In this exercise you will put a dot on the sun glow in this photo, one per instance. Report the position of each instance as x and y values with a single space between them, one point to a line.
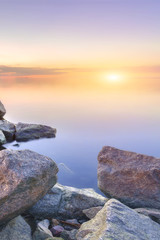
114 78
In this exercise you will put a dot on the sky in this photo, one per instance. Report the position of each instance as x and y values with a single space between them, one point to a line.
80 42
83 66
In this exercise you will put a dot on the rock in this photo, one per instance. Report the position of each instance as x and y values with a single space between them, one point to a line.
31 222
8 129
116 221
70 224
69 235
66 202
132 178
2 138
82 220
25 177
154 214
16 229
44 226
42 232
26 132
57 230
41 235
91 212
55 238
55 222
2 148
2 110
72 221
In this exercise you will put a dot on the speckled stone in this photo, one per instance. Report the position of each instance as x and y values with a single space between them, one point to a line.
25 177
132 178
116 221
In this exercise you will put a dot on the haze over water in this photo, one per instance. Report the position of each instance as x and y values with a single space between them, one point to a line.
91 70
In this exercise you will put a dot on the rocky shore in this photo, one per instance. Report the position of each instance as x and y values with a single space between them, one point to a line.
34 206
22 132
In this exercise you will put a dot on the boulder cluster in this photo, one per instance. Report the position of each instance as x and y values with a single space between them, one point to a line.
22 132
34 206
131 182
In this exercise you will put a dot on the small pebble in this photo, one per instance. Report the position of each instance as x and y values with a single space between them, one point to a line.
55 222
57 230
74 221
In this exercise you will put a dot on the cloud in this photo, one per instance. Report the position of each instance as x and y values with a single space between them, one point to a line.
33 71
28 71
11 75
139 77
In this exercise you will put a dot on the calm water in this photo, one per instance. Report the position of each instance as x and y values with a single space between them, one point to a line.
86 120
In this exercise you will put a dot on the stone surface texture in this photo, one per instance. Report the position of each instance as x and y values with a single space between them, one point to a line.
8 129
154 214
66 202
26 132
132 178
2 110
2 138
118 222
69 235
42 232
25 177
91 212
16 229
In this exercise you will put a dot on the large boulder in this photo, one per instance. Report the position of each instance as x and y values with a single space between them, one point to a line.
2 110
8 130
26 132
2 138
116 221
66 202
25 177
16 229
132 178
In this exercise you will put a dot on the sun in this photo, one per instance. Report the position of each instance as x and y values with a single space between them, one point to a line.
114 78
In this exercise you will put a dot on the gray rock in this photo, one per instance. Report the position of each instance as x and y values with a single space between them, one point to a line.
57 230
69 235
41 235
8 129
2 110
66 202
91 212
2 138
16 229
70 224
26 132
2 147
55 238
25 177
154 214
44 226
116 221
42 232
132 178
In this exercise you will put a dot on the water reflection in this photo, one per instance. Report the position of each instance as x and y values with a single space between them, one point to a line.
87 115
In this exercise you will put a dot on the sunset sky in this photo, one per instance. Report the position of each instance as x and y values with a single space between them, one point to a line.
73 39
